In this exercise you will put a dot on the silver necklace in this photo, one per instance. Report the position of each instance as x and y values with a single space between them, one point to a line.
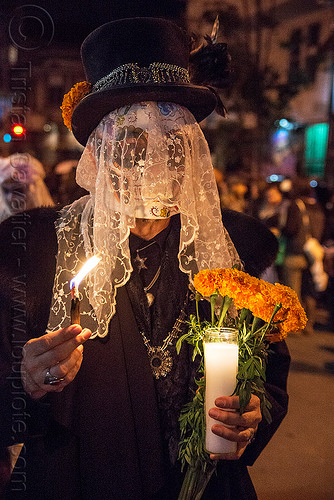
140 261
141 265
150 297
161 361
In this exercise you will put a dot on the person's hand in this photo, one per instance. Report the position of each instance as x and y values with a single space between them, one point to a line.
244 426
54 355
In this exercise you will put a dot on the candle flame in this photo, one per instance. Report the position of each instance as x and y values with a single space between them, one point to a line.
88 266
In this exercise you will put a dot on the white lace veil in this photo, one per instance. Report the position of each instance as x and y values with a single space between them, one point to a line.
148 160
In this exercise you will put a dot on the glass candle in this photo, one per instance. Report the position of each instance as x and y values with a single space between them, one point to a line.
221 368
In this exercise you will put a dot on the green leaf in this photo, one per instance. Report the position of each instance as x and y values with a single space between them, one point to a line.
253 352
245 395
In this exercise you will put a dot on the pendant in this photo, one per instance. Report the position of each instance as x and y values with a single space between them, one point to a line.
161 361
140 261
150 298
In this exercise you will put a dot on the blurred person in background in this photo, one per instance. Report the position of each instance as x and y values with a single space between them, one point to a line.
327 324
234 198
328 243
256 188
61 181
273 213
273 209
21 185
67 188
297 267
21 188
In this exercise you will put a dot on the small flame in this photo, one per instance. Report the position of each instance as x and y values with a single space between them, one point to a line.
88 266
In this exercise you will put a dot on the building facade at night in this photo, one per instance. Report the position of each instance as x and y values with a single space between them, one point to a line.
286 53
279 104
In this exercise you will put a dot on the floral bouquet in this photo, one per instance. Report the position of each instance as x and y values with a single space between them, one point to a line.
262 313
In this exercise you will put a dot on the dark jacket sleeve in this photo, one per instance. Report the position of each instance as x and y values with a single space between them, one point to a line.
293 221
276 387
28 247
255 243
257 248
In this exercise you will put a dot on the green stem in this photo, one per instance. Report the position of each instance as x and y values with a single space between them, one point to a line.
187 485
245 314
197 309
195 482
277 308
213 298
224 309
202 483
255 322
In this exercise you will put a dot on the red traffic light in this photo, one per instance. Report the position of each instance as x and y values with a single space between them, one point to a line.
18 130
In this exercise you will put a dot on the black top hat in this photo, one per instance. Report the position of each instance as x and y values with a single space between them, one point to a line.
135 60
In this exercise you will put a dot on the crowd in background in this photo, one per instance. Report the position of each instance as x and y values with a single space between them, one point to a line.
302 218
22 185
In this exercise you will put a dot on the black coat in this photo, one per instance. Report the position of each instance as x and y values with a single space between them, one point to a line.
100 438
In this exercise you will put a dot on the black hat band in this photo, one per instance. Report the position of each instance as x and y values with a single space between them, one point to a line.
132 73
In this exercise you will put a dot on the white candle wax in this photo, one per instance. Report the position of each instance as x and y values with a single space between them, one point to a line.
221 368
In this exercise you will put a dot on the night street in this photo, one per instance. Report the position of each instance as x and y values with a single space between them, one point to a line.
156 160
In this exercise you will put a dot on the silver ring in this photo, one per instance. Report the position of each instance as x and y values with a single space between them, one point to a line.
252 436
52 379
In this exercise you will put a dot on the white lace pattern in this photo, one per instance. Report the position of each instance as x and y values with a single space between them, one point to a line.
148 158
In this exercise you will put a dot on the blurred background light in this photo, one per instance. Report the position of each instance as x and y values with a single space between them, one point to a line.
284 123
7 138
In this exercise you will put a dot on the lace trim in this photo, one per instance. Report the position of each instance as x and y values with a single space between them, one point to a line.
132 73
137 154
73 229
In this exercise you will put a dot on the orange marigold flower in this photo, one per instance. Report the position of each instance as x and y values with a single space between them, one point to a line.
257 295
292 312
71 99
204 282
